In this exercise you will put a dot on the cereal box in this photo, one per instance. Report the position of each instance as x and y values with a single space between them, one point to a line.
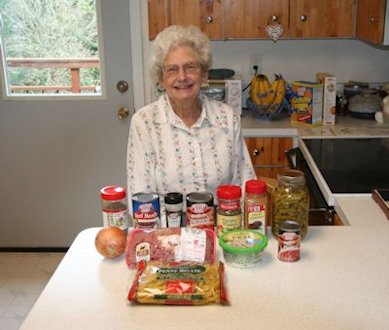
306 103
329 97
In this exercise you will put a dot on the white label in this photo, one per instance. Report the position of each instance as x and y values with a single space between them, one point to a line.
143 252
116 219
193 243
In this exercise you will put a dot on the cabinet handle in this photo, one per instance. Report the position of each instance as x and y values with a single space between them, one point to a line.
373 19
303 18
209 19
256 152
274 18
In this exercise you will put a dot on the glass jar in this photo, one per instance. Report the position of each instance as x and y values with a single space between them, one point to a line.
255 205
229 212
114 207
290 201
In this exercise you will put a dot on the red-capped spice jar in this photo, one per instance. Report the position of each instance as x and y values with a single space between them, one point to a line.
229 212
114 207
255 205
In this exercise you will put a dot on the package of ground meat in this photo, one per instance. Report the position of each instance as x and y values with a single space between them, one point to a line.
178 283
170 244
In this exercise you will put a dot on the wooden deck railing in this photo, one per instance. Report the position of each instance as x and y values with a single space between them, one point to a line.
73 64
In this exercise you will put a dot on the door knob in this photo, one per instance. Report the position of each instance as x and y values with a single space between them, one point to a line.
122 86
123 113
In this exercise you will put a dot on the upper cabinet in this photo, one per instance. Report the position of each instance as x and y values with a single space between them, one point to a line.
322 18
249 18
206 14
371 20
253 19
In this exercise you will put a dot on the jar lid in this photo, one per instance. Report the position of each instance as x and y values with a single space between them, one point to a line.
113 192
256 186
229 191
173 198
291 176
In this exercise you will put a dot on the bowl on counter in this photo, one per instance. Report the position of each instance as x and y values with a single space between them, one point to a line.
243 248
365 105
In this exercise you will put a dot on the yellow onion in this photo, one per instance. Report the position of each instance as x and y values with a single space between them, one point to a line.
111 242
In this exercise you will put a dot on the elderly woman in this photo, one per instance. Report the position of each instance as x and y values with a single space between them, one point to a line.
184 141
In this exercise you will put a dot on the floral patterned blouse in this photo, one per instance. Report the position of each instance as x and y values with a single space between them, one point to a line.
164 155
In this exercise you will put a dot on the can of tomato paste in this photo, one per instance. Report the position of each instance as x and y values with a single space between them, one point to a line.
146 210
289 238
200 212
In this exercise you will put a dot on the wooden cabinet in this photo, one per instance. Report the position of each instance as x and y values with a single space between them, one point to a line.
268 155
322 18
206 14
371 20
249 18
245 19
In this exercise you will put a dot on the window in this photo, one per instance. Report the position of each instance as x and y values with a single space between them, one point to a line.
50 48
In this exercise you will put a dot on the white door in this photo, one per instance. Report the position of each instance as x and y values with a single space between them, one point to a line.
56 155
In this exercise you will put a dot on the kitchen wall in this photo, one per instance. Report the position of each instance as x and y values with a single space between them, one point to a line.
348 59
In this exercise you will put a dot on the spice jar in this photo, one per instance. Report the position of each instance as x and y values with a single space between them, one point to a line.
290 201
173 209
229 212
114 207
255 205
200 210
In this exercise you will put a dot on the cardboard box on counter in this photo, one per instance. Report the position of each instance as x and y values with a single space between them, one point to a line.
307 103
329 97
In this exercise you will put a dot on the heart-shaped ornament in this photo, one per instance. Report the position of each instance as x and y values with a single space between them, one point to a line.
274 31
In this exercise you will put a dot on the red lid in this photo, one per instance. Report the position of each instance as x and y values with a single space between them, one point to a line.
113 192
228 191
255 187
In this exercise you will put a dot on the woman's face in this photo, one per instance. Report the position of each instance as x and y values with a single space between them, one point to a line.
182 74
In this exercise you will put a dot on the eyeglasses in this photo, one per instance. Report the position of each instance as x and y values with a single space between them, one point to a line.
174 69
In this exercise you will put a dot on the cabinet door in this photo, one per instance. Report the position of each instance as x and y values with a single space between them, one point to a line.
268 155
206 14
248 18
370 20
322 18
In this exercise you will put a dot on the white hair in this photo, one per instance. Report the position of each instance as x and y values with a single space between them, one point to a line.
173 36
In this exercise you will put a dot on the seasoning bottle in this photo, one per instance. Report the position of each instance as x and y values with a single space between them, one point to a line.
114 207
229 212
290 201
200 212
173 209
255 205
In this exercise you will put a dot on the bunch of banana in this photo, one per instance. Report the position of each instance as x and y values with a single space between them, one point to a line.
268 96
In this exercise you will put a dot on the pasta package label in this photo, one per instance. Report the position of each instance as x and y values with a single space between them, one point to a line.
182 283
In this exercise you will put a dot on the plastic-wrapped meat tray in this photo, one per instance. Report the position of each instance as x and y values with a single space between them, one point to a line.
170 244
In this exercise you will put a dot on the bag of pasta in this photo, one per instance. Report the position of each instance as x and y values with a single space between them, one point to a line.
178 283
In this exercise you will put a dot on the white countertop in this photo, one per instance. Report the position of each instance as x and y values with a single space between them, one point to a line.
341 282
345 126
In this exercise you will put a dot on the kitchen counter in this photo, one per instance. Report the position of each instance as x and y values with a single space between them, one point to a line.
341 282
345 126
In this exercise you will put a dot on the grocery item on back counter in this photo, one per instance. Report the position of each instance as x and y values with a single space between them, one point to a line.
146 210
170 244
229 211
255 205
114 207
290 201
306 102
329 97
243 248
184 283
173 209
200 211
